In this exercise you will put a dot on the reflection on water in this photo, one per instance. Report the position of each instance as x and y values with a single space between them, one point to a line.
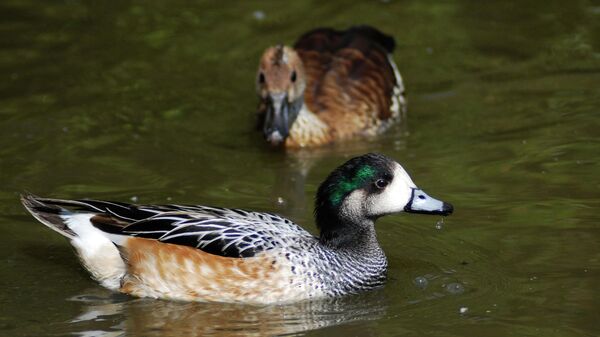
147 317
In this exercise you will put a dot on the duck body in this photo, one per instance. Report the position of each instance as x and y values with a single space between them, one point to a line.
332 85
211 254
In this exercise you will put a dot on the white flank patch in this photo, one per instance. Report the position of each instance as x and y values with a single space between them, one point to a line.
399 83
97 252
398 107
88 236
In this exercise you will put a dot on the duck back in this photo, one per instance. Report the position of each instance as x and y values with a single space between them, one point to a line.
351 79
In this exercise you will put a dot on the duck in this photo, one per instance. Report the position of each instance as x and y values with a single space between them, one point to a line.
332 85
214 254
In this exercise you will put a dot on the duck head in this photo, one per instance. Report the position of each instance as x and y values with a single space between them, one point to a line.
280 83
363 189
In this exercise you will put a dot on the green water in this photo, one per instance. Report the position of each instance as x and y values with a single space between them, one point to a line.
154 102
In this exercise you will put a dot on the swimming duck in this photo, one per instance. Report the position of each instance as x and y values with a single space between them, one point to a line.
202 253
332 85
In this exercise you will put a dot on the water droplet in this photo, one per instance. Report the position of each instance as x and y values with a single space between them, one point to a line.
439 224
259 15
134 198
455 288
281 201
463 310
421 282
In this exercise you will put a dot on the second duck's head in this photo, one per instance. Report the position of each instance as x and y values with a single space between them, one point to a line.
280 83
363 189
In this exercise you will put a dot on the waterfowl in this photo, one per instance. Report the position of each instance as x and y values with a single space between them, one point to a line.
202 253
332 85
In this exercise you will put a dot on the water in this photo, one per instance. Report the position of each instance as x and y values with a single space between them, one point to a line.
154 103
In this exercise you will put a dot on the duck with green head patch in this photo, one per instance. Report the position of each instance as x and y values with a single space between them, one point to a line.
362 190
233 255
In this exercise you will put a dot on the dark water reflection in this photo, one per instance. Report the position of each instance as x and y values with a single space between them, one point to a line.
163 318
154 102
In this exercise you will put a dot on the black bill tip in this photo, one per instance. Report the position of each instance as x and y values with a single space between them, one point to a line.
447 209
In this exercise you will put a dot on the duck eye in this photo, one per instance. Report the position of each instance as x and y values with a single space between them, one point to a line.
381 183
293 78
261 78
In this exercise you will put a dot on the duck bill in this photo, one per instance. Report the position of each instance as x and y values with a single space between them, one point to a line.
421 203
276 127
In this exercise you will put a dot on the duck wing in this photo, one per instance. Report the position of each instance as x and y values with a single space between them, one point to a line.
220 231
349 70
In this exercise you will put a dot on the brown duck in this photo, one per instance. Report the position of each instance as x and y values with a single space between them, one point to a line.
332 85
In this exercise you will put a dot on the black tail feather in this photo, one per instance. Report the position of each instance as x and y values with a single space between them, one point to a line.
110 216
47 213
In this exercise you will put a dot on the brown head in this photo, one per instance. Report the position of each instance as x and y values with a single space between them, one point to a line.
280 83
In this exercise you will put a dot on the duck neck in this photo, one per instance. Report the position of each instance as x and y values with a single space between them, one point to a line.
350 236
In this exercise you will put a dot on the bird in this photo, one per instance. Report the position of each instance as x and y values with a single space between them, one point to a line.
332 85
215 254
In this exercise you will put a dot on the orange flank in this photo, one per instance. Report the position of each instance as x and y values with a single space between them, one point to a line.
164 270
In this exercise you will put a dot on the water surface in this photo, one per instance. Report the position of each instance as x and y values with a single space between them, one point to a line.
153 102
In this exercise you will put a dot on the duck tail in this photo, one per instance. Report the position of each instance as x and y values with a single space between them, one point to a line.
72 219
49 212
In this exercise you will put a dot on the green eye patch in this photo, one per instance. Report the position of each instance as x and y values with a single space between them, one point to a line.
363 174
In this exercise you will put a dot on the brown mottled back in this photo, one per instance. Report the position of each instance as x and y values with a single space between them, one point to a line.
348 73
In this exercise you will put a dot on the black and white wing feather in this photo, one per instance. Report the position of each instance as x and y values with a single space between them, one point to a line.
220 231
